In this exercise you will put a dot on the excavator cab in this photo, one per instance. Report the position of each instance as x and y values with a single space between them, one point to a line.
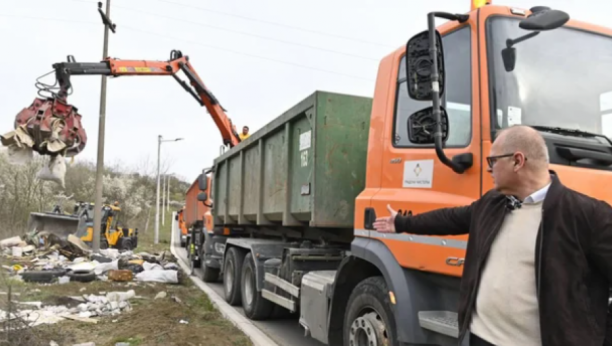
112 236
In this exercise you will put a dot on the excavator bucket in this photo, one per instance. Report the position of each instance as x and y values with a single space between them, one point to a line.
59 224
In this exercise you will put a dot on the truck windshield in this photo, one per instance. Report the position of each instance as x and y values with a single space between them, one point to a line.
562 78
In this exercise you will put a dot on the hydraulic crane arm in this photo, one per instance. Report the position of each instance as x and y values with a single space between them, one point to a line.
116 68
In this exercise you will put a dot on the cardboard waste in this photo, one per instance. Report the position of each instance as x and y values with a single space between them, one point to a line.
48 259
53 259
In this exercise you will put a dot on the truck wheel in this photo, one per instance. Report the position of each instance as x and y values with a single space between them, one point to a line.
368 319
232 270
210 274
255 306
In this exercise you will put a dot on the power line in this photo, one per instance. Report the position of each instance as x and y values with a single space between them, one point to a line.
247 54
236 31
193 42
276 24
249 34
49 19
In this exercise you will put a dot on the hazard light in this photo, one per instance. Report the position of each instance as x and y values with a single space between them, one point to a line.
476 4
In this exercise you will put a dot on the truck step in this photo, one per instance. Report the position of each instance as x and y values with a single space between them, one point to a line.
276 299
282 284
443 322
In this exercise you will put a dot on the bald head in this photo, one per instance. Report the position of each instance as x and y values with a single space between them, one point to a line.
526 140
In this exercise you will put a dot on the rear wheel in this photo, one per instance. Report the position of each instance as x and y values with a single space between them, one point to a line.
126 244
368 320
232 270
255 306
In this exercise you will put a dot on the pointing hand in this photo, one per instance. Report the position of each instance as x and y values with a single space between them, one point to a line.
386 224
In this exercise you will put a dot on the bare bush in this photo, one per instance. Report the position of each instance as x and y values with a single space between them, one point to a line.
134 188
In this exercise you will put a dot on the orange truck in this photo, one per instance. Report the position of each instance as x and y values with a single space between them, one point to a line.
293 205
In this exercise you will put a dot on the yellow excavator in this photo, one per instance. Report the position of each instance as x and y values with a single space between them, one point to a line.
80 223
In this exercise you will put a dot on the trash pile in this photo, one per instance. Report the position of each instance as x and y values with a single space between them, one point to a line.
53 259
48 259
82 309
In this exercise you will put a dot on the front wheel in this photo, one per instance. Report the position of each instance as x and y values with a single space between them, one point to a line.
232 273
368 320
208 274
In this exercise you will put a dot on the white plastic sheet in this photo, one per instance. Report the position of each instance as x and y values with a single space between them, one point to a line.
164 276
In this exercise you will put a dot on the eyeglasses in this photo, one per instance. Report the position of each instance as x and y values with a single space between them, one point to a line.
492 159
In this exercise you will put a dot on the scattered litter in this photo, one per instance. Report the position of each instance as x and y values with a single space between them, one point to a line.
86 344
120 275
122 344
177 299
48 258
164 276
183 322
53 343
161 295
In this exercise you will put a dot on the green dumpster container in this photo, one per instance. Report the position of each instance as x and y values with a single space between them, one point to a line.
305 168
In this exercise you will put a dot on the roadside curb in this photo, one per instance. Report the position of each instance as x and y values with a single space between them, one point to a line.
258 338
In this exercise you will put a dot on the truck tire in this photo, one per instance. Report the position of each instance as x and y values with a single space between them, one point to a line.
255 306
368 319
232 272
209 274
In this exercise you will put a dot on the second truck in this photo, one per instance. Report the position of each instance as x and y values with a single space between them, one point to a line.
293 205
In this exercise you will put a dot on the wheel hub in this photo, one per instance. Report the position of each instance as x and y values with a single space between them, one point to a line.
368 330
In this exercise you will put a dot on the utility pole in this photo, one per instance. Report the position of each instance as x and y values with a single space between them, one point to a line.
100 160
163 201
168 194
159 142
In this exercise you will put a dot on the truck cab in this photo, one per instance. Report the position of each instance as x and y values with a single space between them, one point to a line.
297 225
498 66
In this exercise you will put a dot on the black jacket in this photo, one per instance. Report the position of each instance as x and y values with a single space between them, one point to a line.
573 264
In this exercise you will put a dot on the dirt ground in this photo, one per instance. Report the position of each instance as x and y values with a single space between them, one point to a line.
152 322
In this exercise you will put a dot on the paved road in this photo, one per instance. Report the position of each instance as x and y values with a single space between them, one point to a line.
287 332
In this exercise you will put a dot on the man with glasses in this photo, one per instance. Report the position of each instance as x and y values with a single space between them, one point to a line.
538 263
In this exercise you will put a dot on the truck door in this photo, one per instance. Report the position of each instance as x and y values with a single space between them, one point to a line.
413 178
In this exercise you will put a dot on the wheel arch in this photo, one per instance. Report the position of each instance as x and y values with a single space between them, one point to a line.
371 257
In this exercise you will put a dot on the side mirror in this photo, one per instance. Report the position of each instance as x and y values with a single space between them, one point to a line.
509 58
543 18
202 182
420 66
202 196
422 126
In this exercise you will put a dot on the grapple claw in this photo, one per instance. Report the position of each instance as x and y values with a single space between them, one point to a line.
49 127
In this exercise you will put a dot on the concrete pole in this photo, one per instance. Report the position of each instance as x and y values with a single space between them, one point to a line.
163 200
168 195
100 158
159 140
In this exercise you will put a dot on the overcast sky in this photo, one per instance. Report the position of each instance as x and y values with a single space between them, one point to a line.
258 57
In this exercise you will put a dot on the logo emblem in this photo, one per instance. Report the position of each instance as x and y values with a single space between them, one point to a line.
418 169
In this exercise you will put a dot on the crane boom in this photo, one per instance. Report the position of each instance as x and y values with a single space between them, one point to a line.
177 62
